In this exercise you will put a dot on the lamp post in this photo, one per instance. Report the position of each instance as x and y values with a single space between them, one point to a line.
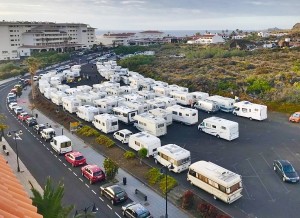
85 211
167 168
16 136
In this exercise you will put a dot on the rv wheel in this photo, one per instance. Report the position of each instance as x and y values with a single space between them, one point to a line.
234 114
123 141
250 118
215 197
200 129
218 136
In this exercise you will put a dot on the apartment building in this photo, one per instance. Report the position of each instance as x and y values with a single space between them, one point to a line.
23 38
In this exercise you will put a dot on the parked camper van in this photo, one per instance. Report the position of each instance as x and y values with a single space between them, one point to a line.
144 140
106 123
125 114
219 127
207 106
250 110
87 112
184 115
168 101
141 107
199 95
106 105
122 135
149 123
183 98
218 181
178 88
61 144
56 97
225 104
146 94
161 91
47 134
154 103
179 157
71 104
167 115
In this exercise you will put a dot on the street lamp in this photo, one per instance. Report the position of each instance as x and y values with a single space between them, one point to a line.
85 210
167 168
16 136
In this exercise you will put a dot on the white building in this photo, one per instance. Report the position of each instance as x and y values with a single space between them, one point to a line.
207 39
23 38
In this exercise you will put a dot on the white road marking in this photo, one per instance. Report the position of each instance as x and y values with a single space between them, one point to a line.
55 155
87 185
51 152
101 199
59 159
94 192
69 169
118 215
80 179
109 207
48 149
74 173
64 164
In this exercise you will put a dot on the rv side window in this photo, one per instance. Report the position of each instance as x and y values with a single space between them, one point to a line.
244 110
187 115
208 125
137 143
180 114
114 123
160 125
103 124
213 126
194 114
175 113
256 109
192 172
223 127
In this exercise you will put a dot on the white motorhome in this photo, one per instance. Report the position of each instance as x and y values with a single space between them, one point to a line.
199 95
207 106
149 123
105 105
160 83
62 87
72 91
87 98
225 104
146 94
167 115
162 91
184 115
216 180
250 110
55 81
168 101
42 85
84 88
70 104
134 97
87 112
219 127
183 98
174 155
106 123
154 103
144 140
61 144
48 91
141 107
76 69
178 88
56 97
125 114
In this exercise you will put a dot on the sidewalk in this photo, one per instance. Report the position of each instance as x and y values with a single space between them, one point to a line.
155 202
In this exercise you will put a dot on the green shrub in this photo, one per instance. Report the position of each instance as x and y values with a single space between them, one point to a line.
129 155
153 176
104 140
88 131
135 61
171 184
258 86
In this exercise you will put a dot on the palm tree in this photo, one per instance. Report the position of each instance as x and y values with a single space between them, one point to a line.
49 204
33 65
3 125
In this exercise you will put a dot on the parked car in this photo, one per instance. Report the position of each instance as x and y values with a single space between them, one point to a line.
93 173
122 135
18 110
75 158
31 121
286 170
135 210
295 117
38 128
11 94
23 116
13 105
114 193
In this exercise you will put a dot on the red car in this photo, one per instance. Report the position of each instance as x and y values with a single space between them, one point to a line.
75 158
93 173
23 116
295 117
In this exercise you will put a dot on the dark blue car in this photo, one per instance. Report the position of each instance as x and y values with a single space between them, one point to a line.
286 171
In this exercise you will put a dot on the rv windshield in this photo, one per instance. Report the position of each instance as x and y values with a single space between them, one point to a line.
65 144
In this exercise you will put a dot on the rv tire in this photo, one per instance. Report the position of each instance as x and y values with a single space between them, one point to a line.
250 118
123 141
200 129
235 114
218 136
215 197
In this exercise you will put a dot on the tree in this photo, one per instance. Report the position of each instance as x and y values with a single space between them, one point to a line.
3 125
19 91
49 204
142 153
111 168
33 65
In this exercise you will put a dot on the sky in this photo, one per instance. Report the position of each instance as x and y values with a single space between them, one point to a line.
158 14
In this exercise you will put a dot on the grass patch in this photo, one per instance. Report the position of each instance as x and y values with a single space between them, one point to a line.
104 140
287 108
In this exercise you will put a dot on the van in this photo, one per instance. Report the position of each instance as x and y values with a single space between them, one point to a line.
61 144
47 134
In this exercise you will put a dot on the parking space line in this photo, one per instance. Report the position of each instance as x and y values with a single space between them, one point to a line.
69 169
59 159
55 155
101 199
64 164
74 173
276 153
87 185
48 149
109 206
80 179
272 199
265 160
118 215
293 154
244 187
94 192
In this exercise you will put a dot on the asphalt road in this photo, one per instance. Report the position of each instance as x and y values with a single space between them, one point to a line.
251 155
43 162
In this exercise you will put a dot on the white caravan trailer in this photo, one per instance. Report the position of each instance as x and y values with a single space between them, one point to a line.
87 98
76 69
179 157
56 97
183 98
84 88
48 91
154 103
168 101
178 88
61 144
225 104
110 84
161 91
141 107
146 94
125 80
134 97
250 110
42 85
70 104
105 105
218 181
87 112
199 95
114 78
207 105
55 81
184 115
149 123
167 115
106 123
160 83
72 91
114 91
125 114
62 87
144 140
219 127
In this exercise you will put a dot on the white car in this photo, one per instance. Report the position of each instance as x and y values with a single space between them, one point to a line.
122 135
13 105
18 110
11 94
35 78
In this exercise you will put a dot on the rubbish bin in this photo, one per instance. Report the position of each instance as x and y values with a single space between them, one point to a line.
124 180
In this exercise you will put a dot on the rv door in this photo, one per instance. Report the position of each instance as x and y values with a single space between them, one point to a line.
131 116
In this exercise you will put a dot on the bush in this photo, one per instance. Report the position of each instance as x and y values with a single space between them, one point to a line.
129 155
104 140
187 199
258 86
171 184
135 61
153 176
88 131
